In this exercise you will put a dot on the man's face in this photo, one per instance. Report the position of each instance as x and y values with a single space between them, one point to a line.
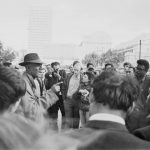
71 68
109 68
140 71
49 69
91 68
34 70
77 69
85 78
127 68
56 67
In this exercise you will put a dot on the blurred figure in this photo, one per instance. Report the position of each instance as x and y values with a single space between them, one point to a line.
34 105
111 98
15 131
12 87
71 100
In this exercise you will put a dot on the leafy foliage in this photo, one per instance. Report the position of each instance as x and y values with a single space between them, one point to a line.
108 57
112 57
92 58
7 54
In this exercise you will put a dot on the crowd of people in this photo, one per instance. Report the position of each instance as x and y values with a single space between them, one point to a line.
105 110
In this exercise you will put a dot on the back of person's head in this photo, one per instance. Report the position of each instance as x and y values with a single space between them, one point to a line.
12 87
116 91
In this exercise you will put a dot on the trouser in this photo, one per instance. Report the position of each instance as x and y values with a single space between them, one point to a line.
71 113
53 111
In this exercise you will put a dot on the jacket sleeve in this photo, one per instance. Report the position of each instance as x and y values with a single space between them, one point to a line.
32 106
48 99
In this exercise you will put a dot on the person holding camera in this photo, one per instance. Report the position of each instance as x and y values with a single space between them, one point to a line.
90 68
57 76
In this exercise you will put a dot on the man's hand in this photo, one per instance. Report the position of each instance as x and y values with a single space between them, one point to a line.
57 75
84 92
56 87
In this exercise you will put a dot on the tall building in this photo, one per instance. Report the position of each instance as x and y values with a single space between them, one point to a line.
40 21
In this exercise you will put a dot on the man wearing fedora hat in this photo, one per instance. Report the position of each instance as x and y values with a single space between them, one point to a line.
34 105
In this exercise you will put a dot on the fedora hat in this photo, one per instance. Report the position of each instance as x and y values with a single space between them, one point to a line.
31 58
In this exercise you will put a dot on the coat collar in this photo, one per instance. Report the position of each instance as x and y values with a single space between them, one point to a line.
109 125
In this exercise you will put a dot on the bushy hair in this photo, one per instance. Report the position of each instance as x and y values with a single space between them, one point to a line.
88 64
115 90
12 87
90 75
75 62
144 63
109 64
54 64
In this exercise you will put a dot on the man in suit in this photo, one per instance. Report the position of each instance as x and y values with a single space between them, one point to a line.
110 99
57 76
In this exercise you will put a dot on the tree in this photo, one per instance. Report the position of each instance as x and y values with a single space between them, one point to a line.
112 57
93 58
7 54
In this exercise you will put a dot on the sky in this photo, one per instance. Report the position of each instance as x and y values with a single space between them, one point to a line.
123 20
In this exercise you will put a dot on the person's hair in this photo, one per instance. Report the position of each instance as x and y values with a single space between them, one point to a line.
75 62
115 90
54 64
12 87
127 63
144 63
90 75
109 64
88 64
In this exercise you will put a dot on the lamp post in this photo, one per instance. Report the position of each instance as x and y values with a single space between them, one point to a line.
140 50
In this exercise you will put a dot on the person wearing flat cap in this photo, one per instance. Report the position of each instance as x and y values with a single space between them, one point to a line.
34 105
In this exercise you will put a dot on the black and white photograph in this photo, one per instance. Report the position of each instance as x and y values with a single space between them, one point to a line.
75 75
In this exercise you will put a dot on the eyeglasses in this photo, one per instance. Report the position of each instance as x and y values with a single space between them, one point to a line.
140 69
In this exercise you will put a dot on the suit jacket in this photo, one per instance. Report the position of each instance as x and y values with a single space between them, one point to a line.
50 80
65 87
107 135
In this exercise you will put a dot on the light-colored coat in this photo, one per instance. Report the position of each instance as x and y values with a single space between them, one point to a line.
33 105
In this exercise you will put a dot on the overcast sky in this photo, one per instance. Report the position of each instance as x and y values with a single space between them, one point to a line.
73 19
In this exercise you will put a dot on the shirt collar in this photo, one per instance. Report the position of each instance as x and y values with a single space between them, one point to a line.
77 77
107 117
